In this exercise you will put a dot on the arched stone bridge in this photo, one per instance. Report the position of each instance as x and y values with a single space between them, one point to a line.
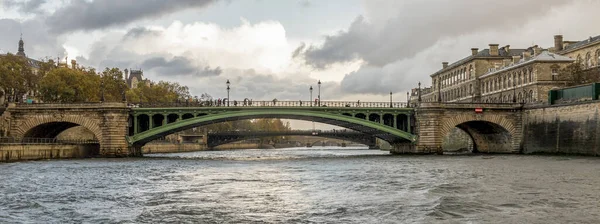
121 130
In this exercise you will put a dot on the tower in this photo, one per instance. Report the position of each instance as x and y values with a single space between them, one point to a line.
21 47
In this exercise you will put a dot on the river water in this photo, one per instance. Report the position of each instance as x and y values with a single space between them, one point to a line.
315 185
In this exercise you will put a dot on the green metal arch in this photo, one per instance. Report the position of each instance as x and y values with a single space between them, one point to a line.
146 136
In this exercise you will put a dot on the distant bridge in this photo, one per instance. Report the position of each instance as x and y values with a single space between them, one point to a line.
220 138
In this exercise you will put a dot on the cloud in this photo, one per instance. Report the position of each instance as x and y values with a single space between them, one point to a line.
394 30
31 6
178 66
92 15
401 75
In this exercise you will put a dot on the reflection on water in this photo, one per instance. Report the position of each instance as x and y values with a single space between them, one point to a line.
314 185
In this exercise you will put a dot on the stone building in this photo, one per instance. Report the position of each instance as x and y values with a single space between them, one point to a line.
504 75
133 77
524 79
459 81
586 52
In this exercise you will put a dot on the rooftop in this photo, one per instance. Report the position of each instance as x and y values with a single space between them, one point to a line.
545 56
485 53
582 43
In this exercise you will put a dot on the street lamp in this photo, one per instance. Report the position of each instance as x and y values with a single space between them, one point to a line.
391 99
228 83
419 93
319 83
407 100
311 99
101 90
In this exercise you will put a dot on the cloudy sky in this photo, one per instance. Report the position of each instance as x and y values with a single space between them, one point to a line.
361 50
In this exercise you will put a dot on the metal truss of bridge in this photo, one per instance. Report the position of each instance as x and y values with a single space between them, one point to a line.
220 138
390 122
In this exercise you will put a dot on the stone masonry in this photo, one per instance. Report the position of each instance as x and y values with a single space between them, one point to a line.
108 122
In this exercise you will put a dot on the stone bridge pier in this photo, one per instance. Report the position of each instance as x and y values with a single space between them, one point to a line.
494 128
107 121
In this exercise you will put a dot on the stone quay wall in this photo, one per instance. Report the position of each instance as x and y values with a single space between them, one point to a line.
562 129
171 148
19 152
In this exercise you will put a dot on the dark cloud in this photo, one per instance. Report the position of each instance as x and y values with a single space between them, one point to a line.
413 26
140 32
91 15
296 53
178 66
31 6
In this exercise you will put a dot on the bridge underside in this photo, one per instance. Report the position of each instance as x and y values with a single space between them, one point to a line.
214 140
386 133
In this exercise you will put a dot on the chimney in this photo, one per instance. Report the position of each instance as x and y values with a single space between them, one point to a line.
526 55
493 49
444 64
558 42
516 59
536 50
474 51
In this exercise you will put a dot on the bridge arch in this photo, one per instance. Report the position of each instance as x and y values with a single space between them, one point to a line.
52 126
492 133
378 130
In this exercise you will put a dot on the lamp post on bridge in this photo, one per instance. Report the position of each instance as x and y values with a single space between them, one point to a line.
311 99
407 100
391 99
102 90
228 83
319 83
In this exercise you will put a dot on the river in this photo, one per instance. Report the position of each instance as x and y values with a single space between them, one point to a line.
300 185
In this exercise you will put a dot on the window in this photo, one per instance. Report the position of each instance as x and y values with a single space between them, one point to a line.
471 69
588 60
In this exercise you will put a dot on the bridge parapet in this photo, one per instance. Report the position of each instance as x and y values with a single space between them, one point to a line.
46 106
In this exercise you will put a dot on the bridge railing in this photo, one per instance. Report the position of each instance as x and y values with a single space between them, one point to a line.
10 140
272 103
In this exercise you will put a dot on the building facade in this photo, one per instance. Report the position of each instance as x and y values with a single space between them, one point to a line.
505 75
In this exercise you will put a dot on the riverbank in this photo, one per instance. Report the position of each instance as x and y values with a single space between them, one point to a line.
18 152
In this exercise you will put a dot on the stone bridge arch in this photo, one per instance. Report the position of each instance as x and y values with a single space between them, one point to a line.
53 125
107 122
492 132
494 128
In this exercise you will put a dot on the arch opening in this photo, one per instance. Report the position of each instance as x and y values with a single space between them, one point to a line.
375 118
157 120
143 122
477 137
66 133
187 116
172 118
361 116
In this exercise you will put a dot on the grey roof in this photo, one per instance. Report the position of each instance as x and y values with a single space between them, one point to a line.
581 43
545 56
485 53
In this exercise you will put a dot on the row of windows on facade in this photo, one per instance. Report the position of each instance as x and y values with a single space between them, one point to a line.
521 96
512 79
457 76
589 60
